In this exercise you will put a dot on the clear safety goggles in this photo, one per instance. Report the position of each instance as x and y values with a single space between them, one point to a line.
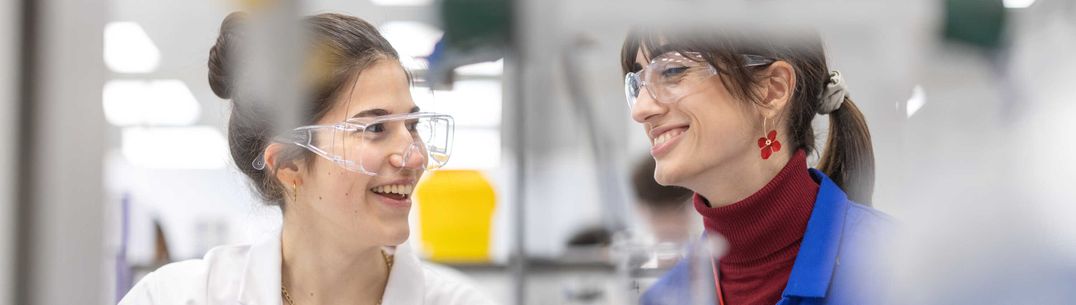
421 140
671 76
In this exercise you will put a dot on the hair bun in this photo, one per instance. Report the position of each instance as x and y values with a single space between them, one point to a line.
220 56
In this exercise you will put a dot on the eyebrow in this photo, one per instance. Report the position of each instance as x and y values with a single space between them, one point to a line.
378 112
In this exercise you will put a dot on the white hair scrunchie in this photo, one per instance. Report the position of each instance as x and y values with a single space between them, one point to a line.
833 95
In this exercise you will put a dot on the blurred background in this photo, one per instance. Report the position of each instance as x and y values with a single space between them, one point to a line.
118 162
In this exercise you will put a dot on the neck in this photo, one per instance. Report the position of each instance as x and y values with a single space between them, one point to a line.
727 185
316 269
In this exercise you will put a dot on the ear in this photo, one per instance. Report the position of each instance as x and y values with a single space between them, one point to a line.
287 173
778 84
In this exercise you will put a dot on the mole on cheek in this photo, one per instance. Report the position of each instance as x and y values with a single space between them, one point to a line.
319 197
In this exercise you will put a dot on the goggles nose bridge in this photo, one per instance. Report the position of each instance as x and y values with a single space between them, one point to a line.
409 158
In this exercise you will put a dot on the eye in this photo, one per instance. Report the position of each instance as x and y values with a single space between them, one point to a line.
412 125
672 72
379 127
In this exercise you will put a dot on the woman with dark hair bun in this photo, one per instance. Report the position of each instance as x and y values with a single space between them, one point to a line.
343 180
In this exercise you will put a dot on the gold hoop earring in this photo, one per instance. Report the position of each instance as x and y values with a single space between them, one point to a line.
294 192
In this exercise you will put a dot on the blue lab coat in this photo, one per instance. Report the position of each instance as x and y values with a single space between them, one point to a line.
838 261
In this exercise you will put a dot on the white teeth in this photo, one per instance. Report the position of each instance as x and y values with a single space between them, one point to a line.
401 189
666 136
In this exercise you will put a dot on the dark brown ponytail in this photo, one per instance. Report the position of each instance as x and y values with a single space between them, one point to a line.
848 157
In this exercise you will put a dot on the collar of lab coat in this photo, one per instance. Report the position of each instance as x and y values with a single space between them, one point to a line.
817 257
260 284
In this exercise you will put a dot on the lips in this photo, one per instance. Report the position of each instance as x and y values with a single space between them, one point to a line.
667 135
663 138
399 190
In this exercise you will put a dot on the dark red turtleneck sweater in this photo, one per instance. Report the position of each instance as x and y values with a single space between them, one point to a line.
764 232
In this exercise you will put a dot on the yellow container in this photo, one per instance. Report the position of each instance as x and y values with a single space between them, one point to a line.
455 212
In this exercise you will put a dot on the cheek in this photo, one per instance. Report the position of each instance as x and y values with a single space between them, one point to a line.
719 132
722 132
342 189
720 123
346 201
353 189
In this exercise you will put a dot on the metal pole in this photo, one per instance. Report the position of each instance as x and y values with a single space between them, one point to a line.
60 249
517 144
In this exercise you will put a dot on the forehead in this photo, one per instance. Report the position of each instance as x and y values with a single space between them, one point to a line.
383 85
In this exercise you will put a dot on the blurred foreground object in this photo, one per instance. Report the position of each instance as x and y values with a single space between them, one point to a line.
455 209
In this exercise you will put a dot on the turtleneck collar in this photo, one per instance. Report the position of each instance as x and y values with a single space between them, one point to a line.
769 222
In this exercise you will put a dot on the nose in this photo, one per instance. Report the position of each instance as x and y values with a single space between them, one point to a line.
646 106
411 157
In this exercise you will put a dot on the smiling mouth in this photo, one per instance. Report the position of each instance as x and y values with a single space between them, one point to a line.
666 136
394 191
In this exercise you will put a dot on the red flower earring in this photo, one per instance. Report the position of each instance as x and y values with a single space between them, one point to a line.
769 143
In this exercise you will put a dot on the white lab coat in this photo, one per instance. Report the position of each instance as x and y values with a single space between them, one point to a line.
250 275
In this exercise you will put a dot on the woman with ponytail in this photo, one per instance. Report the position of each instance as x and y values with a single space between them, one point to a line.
729 117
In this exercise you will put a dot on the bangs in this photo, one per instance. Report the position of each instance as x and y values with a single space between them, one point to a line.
722 48
715 47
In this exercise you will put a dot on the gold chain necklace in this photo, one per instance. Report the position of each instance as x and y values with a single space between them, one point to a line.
389 260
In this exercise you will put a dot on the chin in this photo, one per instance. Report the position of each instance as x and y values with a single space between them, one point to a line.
397 235
668 173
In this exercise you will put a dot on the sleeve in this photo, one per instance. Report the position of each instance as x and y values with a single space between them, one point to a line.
142 293
176 283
